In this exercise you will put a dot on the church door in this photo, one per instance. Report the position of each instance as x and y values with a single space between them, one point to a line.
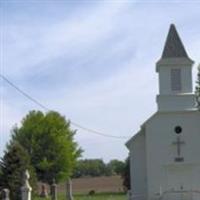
180 177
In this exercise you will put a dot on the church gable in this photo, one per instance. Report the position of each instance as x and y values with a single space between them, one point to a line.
165 130
172 144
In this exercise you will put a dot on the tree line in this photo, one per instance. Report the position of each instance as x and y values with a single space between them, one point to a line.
97 167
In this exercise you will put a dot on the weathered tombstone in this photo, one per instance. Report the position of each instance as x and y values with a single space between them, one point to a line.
69 190
26 188
5 194
44 193
54 190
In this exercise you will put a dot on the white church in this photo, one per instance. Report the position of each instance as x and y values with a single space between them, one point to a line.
165 152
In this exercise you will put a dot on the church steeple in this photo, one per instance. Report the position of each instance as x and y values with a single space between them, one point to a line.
173 46
175 75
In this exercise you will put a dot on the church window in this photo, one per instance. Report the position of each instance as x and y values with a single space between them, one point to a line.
176 79
178 130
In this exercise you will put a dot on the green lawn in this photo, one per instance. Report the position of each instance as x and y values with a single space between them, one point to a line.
94 197
102 197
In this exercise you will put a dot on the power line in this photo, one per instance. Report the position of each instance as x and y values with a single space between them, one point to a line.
97 132
28 96
24 93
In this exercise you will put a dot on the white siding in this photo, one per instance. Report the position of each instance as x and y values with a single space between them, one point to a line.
138 165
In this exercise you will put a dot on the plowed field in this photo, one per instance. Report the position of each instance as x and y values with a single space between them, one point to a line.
98 184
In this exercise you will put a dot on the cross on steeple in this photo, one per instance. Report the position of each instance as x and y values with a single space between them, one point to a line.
178 143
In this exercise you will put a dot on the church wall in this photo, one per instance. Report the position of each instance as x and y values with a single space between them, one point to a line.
186 80
164 80
138 165
175 102
161 152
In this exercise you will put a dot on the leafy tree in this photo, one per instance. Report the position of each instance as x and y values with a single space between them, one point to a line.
90 167
197 91
13 165
97 167
50 143
116 166
126 175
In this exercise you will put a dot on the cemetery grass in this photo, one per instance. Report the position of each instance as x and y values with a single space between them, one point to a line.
99 196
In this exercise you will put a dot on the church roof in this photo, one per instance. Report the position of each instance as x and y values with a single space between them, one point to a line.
174 47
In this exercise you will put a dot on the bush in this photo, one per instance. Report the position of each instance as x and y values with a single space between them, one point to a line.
91 192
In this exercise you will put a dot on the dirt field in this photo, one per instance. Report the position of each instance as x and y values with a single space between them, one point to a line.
98 184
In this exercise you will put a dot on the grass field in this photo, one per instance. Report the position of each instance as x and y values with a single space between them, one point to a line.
103 196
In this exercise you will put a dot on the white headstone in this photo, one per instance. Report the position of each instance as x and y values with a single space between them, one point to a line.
26 188
69 190
5 194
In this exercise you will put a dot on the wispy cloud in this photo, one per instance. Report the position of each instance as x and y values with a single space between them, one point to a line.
93 62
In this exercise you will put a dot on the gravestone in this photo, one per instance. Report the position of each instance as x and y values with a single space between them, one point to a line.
26 188
44 193
54 190
69 190
5 194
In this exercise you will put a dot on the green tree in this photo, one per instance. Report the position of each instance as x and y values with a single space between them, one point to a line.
13 165
116 166
50 143
90 167
197 89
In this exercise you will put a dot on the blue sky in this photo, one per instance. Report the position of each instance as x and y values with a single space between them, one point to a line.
93 61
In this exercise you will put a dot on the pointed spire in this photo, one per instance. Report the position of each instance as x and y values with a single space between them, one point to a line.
174 47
